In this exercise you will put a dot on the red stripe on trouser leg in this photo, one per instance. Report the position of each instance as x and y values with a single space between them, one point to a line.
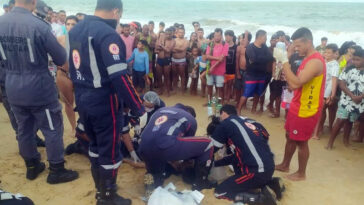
130 92
114 132
250 176
131 83
224 197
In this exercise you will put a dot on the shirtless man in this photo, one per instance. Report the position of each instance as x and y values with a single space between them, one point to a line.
179 59
241 65
153 45
305 108
164 47
162 26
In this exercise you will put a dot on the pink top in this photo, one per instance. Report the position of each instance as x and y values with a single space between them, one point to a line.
219 50
129 43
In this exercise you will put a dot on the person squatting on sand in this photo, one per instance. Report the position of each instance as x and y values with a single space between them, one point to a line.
250 155
103 67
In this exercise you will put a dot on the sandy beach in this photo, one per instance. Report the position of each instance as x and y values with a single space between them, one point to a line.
334 177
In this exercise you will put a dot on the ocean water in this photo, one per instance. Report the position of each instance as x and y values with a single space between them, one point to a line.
339 21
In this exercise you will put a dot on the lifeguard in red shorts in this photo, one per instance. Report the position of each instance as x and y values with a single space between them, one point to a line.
307 103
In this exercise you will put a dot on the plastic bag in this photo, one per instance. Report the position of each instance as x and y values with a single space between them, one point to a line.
169 195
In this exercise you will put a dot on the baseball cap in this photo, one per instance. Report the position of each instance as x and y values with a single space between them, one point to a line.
42 8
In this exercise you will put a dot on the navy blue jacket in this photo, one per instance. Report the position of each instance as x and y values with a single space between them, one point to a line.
25 42
248 141
97 63
166 125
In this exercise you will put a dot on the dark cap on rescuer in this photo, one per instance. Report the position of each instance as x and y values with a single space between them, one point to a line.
42 9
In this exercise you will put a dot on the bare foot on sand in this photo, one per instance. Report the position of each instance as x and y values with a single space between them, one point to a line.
347 144
328 147
296 177
316 137
282 168
357 140
259 112
274 115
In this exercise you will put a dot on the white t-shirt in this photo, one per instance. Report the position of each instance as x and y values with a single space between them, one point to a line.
57 30
332 70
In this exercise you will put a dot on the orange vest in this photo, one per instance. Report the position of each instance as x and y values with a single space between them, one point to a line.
309 99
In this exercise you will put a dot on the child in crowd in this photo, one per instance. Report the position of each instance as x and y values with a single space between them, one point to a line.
202 62
140 66
332 74
276 87
193 69
351 104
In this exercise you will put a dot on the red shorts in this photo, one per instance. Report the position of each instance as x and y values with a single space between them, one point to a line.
301 129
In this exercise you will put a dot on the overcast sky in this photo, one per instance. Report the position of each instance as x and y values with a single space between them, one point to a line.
306 0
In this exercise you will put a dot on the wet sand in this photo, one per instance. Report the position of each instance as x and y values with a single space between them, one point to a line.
333 177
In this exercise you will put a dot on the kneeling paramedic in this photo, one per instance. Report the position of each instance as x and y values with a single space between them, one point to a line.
250 156
169 136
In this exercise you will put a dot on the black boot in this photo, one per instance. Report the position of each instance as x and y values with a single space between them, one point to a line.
96 176
276 184
265 197
34 168
40 142
108 195
269 197
201 173
249 198
58 174
75 147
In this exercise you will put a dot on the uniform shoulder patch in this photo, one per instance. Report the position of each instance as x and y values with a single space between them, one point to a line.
114 49
76 58
250 126
162 119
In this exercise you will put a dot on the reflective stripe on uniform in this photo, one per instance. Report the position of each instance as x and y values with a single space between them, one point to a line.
81 127
50 122
92 154
216 143
30 48
116 68
168 111
126 128
250 145
175 126
111 167
2 53
93 65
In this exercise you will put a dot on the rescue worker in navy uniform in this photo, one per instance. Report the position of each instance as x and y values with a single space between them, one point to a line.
25 41
40 143
169 136
251 158
99 74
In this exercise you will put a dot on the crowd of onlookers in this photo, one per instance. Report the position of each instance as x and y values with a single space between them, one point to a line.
167 61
